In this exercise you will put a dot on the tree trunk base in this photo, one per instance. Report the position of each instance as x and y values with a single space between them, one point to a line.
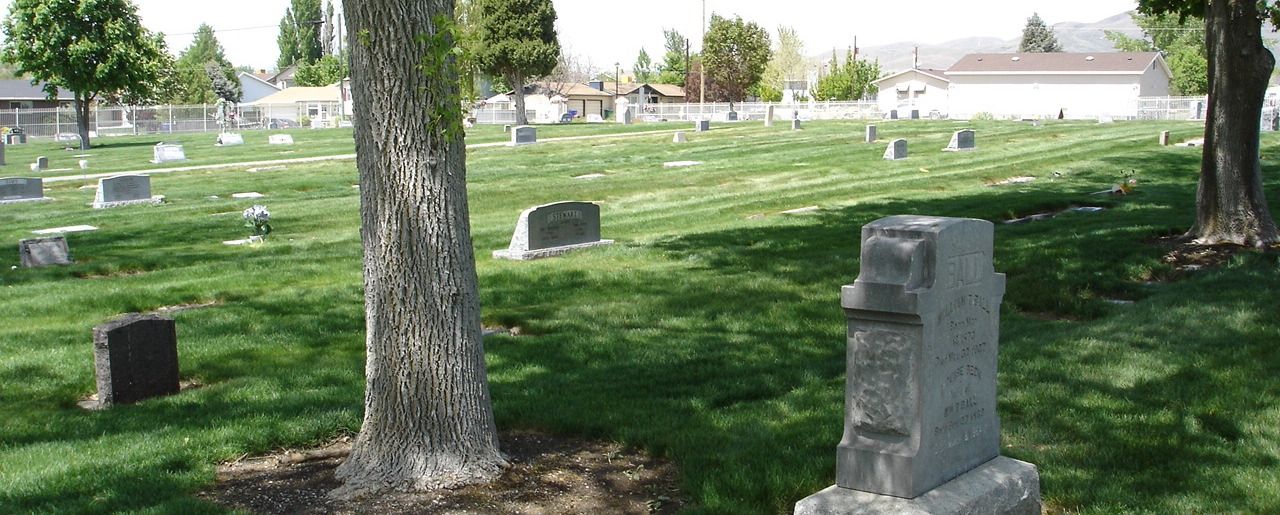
365 478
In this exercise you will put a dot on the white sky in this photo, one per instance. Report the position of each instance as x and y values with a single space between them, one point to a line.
609 32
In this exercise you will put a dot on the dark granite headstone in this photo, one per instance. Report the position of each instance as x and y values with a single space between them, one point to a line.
701 125
38 252
523 135
42 163
136 358
795 124
732 116
123 190
21 189
553 229
871 134
896 150
962 140
893 114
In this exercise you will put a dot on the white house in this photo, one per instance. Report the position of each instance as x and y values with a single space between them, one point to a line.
1073 85
255 88
925 89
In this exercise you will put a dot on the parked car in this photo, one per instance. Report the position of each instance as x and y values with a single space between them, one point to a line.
280 123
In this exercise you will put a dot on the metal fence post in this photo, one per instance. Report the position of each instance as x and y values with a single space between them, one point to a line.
170 118
205 110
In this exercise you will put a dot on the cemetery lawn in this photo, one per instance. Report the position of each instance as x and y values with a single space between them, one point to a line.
134 153
710 334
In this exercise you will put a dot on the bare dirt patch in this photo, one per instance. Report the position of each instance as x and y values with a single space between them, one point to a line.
548 475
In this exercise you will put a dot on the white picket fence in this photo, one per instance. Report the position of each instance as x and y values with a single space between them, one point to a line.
167 119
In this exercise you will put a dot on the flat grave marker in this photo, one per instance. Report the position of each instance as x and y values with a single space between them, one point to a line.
229 139
39 252
280 139
65 230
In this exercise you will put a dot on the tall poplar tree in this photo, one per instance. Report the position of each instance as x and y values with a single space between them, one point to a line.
299 39
428 421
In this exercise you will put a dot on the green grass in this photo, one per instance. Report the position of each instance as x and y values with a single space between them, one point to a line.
708 334
134 153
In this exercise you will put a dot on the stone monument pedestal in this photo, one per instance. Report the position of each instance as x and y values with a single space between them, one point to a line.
1002 485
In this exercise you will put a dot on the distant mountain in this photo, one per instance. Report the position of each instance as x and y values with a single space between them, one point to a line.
1074 36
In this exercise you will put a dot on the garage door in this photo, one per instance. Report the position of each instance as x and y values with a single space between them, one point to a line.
593 107
576 105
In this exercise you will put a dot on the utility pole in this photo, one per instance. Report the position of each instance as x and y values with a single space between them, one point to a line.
702 68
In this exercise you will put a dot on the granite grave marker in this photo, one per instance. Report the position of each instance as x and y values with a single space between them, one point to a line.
871 134
21 189
42 163
229 139
124 190
896 150
166 152
136 358
523 135
554 229
38 252
961 141
701 125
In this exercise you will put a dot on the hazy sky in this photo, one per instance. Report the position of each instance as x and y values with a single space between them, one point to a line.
608 32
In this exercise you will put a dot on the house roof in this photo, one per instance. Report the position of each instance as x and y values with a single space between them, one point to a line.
258 78
302 94
1099 63
667 90
23 89
937 74
285 74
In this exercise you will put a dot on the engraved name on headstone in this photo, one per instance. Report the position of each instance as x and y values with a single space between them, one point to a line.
38 252
123 190
896 150
21 189
136 358
553 229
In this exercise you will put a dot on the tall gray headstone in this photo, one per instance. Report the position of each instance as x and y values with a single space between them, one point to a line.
679 137
896 150
961 141
1164 138
554 229
915 114
42 163
123 190
21 189
921 434
795 124
136 358
523 135
701 125
38 252
731 116
2 145
768 116
893 114
871 134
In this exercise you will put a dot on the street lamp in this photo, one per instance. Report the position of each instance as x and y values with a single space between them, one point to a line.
615 80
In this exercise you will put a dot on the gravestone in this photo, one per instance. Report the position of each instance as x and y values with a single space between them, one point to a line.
2 145
732 116
768 116
915 114
701 125
893 114
554 229
38 252
15 138
921 434
280 139
124 190
896 150
1197 110
166 152
523 135
228 139
136 358
42 163
21 189
871 134
961 141
66 137
1164 138
795 124
679 137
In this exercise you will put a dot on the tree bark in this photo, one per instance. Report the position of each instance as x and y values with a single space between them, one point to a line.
428 421
82 120
517 85
1231 206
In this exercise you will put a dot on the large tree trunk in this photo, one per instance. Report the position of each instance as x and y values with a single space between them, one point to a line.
517 84
428 422
82 120
1231 206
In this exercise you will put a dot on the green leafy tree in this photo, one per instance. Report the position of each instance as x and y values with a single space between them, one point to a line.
97 49
466 19
787 63
852 81
735 54
643 69
203 73
834 84
1038 37
325 71
1181 41
299 38
675 61
1231 205
517 43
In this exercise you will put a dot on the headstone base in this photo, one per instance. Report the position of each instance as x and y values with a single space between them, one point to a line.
547 252
1002 485
949 149
155 200
15 201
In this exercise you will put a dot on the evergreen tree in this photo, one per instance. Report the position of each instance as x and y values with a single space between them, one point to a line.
517 43
203 72
1038 37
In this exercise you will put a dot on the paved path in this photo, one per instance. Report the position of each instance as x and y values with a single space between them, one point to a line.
317 159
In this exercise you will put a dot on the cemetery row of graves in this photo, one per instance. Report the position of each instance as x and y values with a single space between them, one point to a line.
688 303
